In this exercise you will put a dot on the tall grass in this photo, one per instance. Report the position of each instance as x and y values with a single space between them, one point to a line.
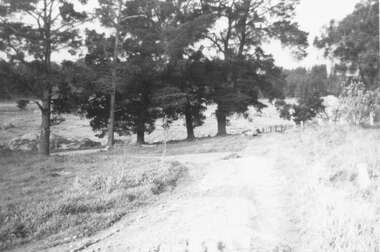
330 209
64 198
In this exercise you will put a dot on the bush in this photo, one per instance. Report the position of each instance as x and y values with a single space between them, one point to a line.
357 103
306 109
21 103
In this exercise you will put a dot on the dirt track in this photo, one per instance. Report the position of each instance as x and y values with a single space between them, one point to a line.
228 203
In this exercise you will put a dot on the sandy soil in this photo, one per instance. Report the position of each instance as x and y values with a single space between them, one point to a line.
228 203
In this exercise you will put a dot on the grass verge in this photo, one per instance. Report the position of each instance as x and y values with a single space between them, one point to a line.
330 209
62 198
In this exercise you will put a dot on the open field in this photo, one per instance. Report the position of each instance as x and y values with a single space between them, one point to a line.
74 127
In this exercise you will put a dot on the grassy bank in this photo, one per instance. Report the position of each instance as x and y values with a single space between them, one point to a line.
330 209
64 198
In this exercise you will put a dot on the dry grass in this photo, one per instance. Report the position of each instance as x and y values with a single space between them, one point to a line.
325 200
29 120
64 198
61 198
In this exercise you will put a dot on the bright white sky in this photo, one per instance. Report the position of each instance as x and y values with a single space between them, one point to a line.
312 15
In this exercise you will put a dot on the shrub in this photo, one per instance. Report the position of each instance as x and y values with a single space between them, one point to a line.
21 103
357 103
306 109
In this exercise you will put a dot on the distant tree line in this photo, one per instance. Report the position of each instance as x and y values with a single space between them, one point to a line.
301 81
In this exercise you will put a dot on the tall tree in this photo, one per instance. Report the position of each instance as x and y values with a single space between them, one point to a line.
295 81
354 42
185 73
188 81
110 16
50 27
246 24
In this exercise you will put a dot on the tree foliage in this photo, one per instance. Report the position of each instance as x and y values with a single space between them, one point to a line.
315 80
245 26
306 108
51 28
354 42
357 103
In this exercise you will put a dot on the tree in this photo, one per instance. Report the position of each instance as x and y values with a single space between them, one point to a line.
186 94
51 28
308 107
246 25
295 81
300 81
112 15
358 103
141 51
354 43
159 39
318 80
185 75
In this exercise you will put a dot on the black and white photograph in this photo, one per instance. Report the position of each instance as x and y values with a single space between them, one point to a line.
189 126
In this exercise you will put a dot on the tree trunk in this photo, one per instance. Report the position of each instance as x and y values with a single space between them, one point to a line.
221 118
140 131
140 127
111 122
189 124
44 147
140 135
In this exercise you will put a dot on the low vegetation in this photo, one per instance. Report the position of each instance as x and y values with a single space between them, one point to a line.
330 209
64 198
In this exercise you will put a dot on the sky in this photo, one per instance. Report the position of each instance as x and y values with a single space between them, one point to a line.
312 15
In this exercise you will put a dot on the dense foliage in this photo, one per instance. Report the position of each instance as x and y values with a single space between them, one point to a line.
306 108
359 104
354 43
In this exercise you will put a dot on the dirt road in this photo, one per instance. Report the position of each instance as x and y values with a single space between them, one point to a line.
228 203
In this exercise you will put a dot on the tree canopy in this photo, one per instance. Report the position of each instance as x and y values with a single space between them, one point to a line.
354 42
51 26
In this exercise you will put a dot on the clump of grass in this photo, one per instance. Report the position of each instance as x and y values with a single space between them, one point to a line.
64 198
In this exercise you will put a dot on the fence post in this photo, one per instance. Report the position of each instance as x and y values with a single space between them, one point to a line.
371 118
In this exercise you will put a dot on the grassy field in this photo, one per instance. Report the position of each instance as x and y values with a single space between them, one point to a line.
332 212
61 198
64 198
74 127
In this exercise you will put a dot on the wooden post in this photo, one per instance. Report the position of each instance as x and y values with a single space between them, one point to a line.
371 118
363 177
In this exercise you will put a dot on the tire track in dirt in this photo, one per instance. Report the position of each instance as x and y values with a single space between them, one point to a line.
227 204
